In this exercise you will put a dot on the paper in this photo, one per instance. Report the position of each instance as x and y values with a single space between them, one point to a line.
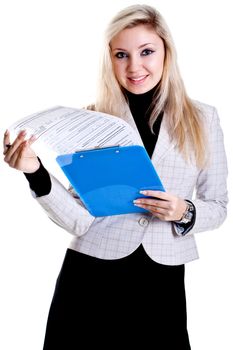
66 130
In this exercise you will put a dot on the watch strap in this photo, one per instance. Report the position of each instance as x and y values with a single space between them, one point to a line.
188 214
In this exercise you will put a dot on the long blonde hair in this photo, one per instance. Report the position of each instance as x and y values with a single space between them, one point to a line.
184 117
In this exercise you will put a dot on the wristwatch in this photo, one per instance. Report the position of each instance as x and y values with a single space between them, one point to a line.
188 214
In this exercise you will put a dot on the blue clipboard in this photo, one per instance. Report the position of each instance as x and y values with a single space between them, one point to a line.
107 180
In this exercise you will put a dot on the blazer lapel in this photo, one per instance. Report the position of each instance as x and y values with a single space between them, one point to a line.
164 144
130 120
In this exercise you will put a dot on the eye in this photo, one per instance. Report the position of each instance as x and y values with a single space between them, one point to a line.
121 54
147 52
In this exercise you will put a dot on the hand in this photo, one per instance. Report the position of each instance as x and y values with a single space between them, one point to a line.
19 154
164 205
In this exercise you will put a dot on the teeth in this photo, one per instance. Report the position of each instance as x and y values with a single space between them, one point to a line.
137 79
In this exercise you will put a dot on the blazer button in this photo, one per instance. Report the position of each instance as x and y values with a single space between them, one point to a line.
143 221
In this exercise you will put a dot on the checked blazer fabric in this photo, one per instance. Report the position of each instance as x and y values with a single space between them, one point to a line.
117 236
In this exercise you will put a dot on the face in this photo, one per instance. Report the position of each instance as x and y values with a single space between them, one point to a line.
137 58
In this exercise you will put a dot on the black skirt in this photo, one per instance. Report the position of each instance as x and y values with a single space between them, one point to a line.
114 304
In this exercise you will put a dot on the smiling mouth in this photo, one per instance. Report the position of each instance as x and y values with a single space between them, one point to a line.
137 80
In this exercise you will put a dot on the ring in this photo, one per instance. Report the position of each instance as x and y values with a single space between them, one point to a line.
8 145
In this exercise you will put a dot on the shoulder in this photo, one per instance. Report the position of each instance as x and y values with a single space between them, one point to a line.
204 107
207 112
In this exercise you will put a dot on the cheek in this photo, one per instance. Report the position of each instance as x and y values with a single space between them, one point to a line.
157 68
155 65
118 71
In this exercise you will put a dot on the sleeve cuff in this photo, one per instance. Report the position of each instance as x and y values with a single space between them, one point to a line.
39 181
183 229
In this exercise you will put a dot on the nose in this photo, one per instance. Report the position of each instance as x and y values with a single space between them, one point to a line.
134 64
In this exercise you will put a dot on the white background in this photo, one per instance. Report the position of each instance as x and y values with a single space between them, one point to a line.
49 56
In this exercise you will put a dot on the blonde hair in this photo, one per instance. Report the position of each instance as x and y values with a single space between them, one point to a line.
184 117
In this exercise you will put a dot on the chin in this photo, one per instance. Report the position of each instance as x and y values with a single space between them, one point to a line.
139 89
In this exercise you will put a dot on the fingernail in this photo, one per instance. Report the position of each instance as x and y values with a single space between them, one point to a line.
33 138
6 132
143 192
22 132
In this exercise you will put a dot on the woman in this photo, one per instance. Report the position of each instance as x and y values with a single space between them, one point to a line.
122 279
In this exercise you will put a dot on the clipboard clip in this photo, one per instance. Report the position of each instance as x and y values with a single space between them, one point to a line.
96 148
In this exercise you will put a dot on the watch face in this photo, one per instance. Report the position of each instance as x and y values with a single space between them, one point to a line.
187 217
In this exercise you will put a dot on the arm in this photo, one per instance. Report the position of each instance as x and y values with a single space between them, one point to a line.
211 189
65 210
39 181
61 206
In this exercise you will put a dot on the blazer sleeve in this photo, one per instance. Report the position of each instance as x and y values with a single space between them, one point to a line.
65 210
211 189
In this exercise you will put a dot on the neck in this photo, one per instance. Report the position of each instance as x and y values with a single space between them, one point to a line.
140 104
141 107
138 97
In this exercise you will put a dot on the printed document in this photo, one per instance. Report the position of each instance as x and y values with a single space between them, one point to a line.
66 130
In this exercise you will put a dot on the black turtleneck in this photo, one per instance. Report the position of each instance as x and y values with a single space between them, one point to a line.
140 107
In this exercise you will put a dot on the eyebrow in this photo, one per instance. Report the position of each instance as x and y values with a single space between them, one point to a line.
139 47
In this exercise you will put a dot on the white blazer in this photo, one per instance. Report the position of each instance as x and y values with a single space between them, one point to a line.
116 236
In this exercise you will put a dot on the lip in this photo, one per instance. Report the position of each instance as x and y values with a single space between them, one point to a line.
137 80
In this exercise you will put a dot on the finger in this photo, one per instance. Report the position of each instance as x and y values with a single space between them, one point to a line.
31 140
152 202
157 212
157 194
6 141
17 155
18 141
159 216
6 148
153 209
